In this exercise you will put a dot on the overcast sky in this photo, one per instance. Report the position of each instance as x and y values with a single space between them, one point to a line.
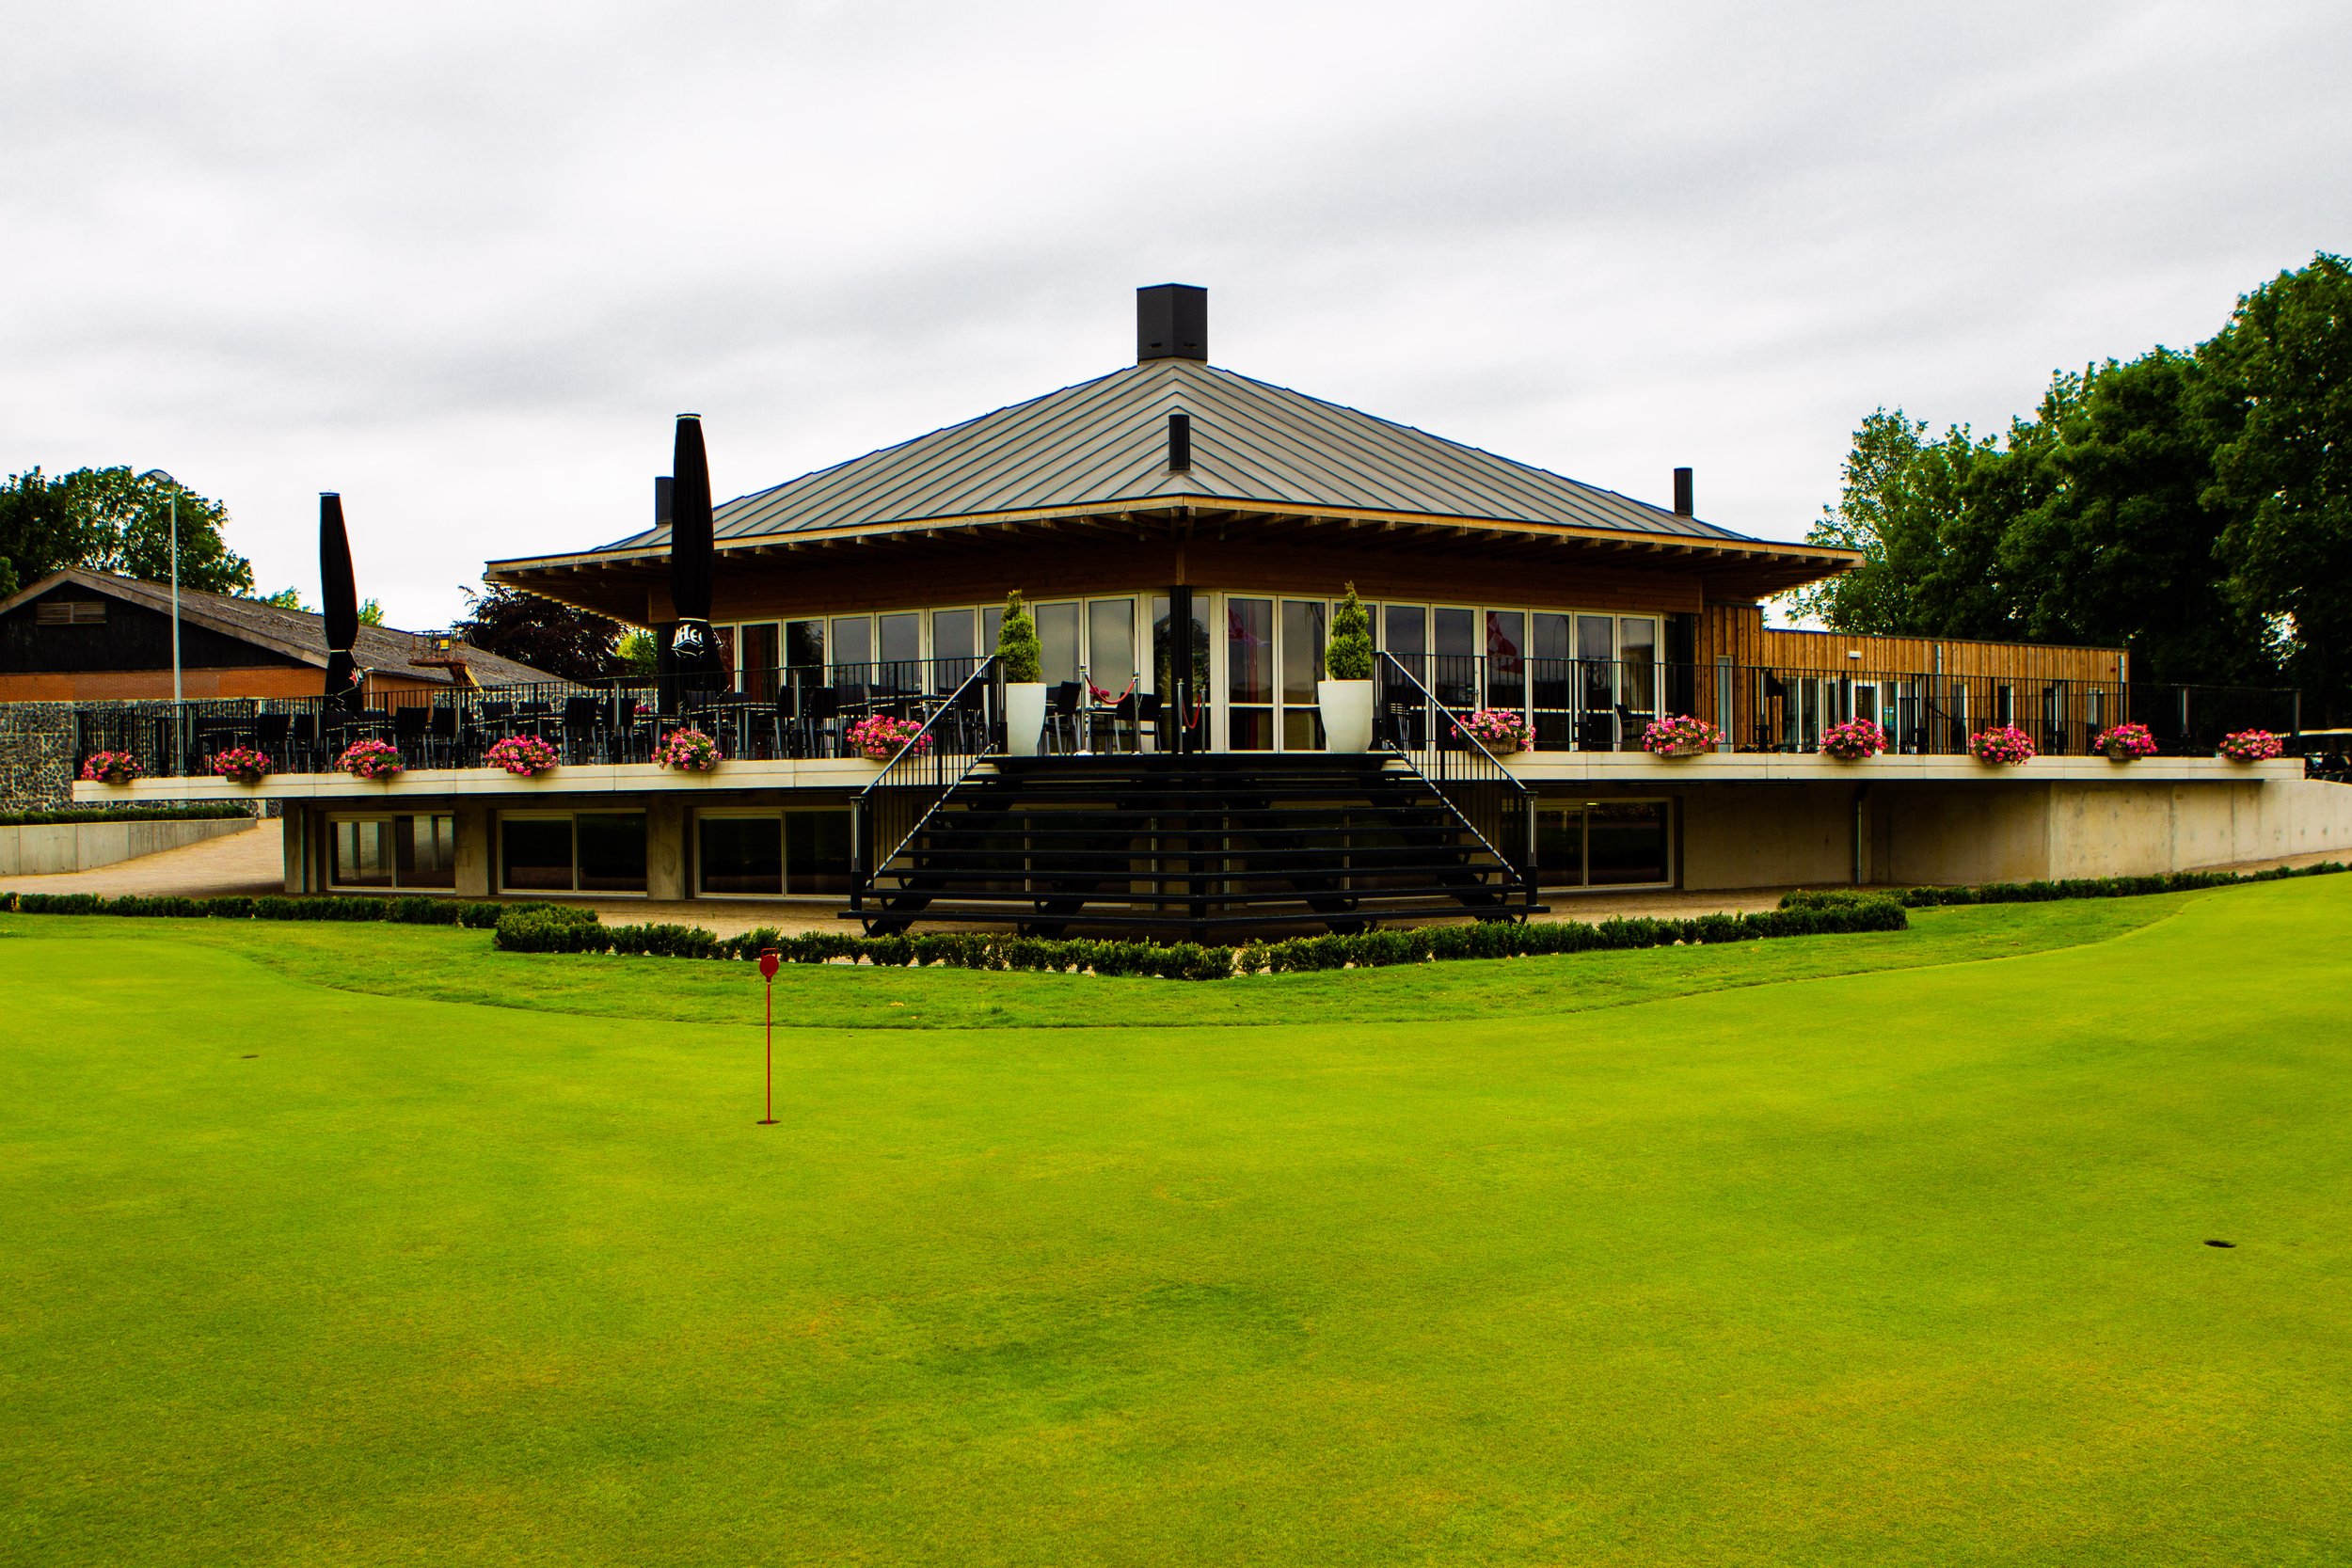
464 262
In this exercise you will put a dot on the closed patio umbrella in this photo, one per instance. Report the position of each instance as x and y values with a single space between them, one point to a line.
693 649
340 595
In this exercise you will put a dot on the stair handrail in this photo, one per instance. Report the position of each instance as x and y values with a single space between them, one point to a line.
911 755
1493 771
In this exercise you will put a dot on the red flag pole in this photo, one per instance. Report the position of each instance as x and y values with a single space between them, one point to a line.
767 960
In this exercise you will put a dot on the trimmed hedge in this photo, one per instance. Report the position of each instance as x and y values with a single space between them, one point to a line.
2079 887
403 911
208 812
565 930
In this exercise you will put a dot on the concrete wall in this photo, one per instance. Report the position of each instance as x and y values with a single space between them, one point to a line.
1774 835
49 849
1767 835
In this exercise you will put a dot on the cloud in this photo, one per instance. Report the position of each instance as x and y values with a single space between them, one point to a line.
462 263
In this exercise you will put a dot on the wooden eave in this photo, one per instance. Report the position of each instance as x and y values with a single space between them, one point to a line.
1749 566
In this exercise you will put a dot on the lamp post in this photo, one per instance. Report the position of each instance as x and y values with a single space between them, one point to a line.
179 718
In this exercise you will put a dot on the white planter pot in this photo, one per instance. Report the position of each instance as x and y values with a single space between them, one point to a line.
1346 715
1025 717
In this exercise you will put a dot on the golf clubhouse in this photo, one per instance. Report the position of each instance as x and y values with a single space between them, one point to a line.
1567 691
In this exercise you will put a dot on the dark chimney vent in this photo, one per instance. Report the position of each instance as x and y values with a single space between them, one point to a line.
1682 493
662 512
1172 322
1179 442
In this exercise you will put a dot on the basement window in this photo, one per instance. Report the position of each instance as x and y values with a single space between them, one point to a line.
589 851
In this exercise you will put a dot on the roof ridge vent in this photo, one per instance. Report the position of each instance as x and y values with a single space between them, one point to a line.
1172 322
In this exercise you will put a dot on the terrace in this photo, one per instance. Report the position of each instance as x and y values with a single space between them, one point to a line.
806 713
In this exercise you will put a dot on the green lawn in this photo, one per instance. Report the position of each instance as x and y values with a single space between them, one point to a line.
1881 1250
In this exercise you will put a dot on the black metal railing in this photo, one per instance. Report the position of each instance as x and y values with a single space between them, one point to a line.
1411 719
1607 704
887 813
1566 704
791 713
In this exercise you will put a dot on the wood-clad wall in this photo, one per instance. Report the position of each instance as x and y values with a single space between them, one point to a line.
839 581
1737 632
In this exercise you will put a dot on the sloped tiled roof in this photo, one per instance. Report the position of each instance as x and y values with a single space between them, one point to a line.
296 633
1104 442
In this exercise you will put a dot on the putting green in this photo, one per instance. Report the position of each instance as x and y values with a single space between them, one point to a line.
1879 1250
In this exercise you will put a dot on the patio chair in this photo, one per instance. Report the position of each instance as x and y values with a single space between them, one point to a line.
1061 715
412 733
270 731
441 733
582 742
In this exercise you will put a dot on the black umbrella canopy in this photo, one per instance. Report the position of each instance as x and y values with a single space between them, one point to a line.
693 650
338 593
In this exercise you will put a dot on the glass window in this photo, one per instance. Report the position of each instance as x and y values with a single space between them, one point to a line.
1249 673
1057 637
952 637
760 660
1111 643
742 855
1552 637
816 852
1182 709
1303 627
611 852
426 851
901 637
852 649
1637 653
1559 847
725 638
360 856
805 644
1595 652
1627 841
991 622
1302 648
535 853
1249 650
1506 669
1456 632
1406 629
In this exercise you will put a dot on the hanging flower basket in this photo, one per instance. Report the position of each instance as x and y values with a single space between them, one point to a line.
879 737
114 768
240 765
371 759
526 756
2004 745
689 752
1854 740
1681 736
1500 730
2128 742
2241 746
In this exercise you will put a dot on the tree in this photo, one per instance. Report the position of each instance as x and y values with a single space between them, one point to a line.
2119 548
1918 510
637 656
288 598
573 645
2283 369
371 612
114 520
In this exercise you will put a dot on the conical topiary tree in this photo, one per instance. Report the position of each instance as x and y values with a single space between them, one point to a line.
1348 655
1017 647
